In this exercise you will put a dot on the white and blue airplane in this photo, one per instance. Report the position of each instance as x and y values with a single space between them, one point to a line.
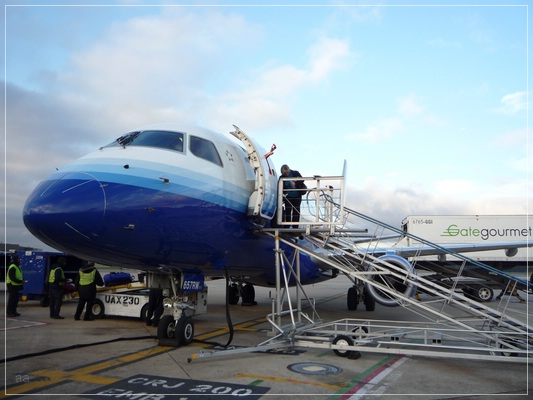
176 201
163 196
170 200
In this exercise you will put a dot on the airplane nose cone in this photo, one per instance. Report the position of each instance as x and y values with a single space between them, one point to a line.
66 209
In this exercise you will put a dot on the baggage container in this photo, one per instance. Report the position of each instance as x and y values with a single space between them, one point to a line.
117 278
35 266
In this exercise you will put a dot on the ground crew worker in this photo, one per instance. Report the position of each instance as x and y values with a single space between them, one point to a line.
155 306
14 282
86 281
56 283
292 195
155 300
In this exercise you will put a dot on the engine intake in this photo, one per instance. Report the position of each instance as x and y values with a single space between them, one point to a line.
401 280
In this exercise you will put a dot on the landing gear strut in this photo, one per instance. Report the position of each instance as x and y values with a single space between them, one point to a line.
245 291
189 294
360 294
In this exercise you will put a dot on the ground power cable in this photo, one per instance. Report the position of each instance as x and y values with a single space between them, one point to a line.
72 347
228 317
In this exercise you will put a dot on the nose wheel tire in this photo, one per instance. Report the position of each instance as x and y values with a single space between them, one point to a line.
166 327
184 332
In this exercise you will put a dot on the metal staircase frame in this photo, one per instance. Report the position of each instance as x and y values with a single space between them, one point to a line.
449 324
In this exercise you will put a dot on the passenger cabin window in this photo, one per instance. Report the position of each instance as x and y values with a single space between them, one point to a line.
161 139
204 149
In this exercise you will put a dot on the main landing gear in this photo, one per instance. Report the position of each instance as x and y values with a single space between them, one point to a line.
245 291
188 298
359 294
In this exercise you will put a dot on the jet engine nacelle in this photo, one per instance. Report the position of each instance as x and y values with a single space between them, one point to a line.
406 287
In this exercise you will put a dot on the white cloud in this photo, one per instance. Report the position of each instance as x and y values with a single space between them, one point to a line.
513 103
328 55
453 186
264 100
181 65
407 107
450 197
169 67
380 131
157 66
410 106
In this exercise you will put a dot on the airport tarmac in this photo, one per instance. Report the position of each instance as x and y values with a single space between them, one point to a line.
118 357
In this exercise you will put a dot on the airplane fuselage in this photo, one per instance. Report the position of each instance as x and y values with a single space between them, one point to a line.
159 197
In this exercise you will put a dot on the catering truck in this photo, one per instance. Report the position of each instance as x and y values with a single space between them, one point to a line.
473 229
474 281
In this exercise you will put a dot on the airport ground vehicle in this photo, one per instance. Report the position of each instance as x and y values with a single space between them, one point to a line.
473 229
35 266
132 301
467 230
121 302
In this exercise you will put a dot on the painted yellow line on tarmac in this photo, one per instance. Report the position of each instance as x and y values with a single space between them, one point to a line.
58 376
244 326
276 379
82 374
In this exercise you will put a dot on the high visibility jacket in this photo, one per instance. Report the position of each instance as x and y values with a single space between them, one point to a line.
18 275
86 278
52 277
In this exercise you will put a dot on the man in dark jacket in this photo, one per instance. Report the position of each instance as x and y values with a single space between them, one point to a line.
293 190
155 300
86 281
14 283
56 283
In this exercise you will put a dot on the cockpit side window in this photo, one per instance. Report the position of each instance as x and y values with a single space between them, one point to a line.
161 139
204 149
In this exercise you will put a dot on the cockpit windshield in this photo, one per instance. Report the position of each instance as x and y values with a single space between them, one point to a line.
161 139
170 140
205 149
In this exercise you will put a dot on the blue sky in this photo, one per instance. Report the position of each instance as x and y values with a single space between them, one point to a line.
428 104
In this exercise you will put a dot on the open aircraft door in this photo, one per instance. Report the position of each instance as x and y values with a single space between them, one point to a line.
263 200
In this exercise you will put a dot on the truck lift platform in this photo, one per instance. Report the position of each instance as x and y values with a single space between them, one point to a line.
453 315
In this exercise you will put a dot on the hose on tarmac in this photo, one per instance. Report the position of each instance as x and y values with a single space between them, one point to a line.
72 347
228 317
78 346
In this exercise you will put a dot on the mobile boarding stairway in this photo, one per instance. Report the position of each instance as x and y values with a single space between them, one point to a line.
452 315
451 299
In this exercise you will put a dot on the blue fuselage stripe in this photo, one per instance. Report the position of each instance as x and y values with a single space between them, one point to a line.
180 181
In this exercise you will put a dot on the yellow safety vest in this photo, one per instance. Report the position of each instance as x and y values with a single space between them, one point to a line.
18 274
87 278
52 277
